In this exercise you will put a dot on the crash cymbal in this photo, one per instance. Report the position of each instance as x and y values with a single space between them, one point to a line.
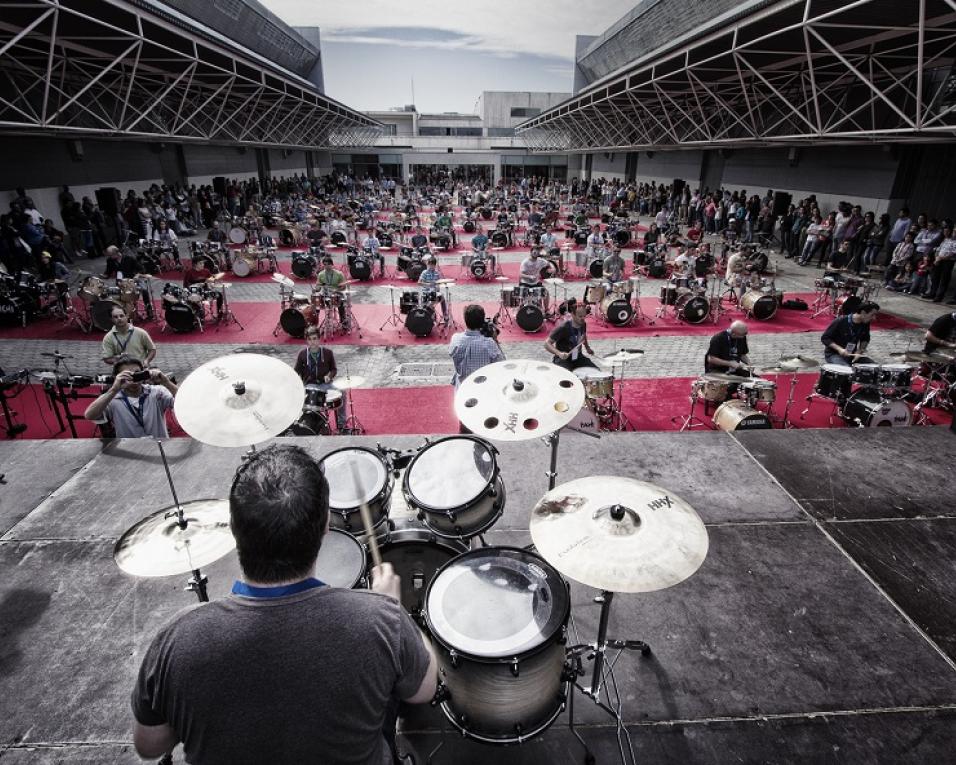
798 362
157 546
619 534
444 281
553 280
518 400
927 358
622 356
239 400
344 383
778 370
284 280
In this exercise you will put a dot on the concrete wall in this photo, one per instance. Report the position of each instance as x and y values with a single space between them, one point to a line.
608 166
496 105
664 167
203 163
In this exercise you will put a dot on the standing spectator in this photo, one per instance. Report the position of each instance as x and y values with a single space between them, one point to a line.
875 241
902 254
943 265
900 227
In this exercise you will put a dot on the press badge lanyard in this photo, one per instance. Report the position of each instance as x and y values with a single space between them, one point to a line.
123 344
309 361
137 413
249 591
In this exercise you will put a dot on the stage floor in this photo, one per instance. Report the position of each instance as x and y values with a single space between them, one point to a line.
820 628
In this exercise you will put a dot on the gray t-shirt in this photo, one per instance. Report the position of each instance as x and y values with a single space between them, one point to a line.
152 409
304 678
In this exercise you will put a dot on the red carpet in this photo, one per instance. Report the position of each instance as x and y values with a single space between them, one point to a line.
260 318
648 403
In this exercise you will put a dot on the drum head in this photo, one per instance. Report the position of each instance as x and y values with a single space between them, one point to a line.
180 317
237 235
101 313
339 466
341 560
526 596
303 266
293 322
529 318
241 267
420 321
451 473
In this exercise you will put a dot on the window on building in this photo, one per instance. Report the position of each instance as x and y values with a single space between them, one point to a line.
390 130
431 131
524 111
500 132
467 131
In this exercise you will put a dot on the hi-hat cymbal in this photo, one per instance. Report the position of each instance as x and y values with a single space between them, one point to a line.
721 377
239 400
284 280
518 400
926 358
619 534
157 546
344 383
622 356
798 362
444 281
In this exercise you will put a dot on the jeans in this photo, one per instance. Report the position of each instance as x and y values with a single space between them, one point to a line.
919 284
340 413
871 255
942 273
809 250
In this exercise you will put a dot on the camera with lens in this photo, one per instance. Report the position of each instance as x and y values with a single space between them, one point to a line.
141 376
490 328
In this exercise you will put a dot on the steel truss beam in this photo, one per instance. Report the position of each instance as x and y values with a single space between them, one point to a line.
796 71
110 68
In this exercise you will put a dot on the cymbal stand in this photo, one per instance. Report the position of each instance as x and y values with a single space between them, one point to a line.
825 302
716 304
639 313
353 323
785 420
930 392
622 422
227 316
448 320
691 420
198 581
285 300
395 318
552 440
352 424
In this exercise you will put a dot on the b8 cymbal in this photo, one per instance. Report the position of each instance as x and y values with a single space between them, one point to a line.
157 546
518 400
239 400
619 534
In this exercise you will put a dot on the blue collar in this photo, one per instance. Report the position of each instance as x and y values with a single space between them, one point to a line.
249 591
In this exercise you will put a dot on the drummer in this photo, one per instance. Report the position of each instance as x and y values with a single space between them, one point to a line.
371 245
428 282
941 333
315 364
329 279
568 342
614 270
444 222
216 234
728 351
847 337
531 273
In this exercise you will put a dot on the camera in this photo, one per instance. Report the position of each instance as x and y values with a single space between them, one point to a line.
141 376
490 328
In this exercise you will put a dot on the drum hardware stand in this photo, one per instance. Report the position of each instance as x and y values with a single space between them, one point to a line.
395 318
691 420
227 316
353 425
552 439
785 421
636 301
825 302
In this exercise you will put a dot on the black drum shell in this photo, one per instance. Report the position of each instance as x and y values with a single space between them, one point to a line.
529 318
180 317
420 321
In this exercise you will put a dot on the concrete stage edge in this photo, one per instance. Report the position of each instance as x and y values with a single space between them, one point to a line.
820 628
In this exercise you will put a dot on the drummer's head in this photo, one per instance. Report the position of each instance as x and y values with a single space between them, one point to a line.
738 329
327 263
119 318
868 311
279 512
432 262
312 337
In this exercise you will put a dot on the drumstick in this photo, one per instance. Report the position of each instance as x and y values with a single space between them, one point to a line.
366 520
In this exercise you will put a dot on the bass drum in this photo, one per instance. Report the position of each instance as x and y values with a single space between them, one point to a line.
373 486
101 314
341 561
499 239
180 317
416 554
384 239
303 265
505 676
237 235
14 310
339 238
736 415
529 318
311 423
243 265
420 320
692 308
290 237
469 226
469 503
617 310
294 320
596 268
479 268
622 237
868 409
360 267
760 305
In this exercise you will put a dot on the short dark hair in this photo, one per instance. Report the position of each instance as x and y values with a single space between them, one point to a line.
125 361
868 307
474 316
278 510
327 261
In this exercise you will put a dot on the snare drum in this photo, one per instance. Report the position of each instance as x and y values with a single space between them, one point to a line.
416 554
317 399
898 376
456 487
341 561
755 389
597 384
499 617
737 415
374 488
509 298
835 381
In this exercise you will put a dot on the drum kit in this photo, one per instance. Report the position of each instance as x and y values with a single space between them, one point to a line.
321 406
23 297
480 264
604 391
685 296
868 394
418 307
98 299
245 230
195 306
939 381
328 308
254 259
840 294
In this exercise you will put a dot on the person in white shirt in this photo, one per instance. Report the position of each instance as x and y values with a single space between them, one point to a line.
531 271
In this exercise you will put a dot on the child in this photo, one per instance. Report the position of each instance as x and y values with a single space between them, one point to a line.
903 279
920 281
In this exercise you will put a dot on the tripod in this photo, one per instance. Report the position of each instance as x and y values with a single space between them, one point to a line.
395 318
691 420
227 316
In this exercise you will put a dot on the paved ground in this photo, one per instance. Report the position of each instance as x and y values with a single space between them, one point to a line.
669 356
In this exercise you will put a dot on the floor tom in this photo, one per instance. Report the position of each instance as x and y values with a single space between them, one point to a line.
759 304
870 409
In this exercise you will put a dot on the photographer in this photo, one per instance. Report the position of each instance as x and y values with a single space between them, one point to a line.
475 347
134 408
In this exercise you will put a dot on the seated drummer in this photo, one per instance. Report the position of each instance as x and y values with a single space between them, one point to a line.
614 270
197 273
216 234
428 280
418 240
847 337
941 333
371 245
315 364
331 278
444 221
569 340
728 351
531 273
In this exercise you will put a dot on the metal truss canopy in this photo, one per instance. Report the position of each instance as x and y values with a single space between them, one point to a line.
110 68
791 72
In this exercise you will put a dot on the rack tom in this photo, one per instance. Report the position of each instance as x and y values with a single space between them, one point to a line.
341 560
357 475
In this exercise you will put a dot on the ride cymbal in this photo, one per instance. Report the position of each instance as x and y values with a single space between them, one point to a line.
619 534
284 280
623 356
239 400
157 546
798 362
518 400
345 383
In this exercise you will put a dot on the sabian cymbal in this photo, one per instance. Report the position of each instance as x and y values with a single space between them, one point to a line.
778 370
344 383
518 400
619 534
282 279
239 400
157 546
798 362
622 356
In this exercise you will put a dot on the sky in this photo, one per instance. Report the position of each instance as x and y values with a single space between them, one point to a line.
372 50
